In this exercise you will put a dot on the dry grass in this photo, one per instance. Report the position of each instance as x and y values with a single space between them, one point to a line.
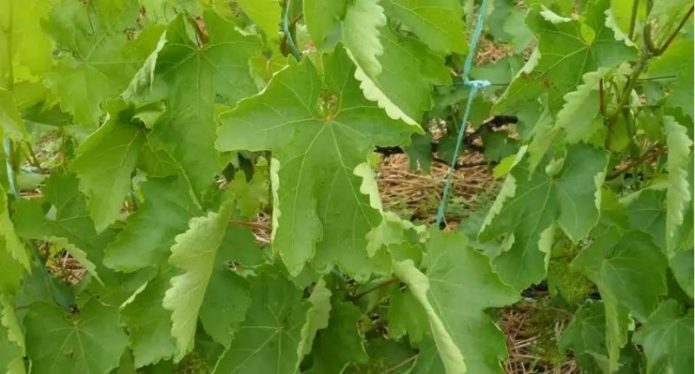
419 193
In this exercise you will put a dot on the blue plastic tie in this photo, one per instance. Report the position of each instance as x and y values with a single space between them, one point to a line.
475 85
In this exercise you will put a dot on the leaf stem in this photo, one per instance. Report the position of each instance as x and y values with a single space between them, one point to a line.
670 39
633 18
286 30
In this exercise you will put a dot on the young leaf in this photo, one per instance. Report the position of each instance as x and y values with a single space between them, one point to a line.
679 191
194 252
451 292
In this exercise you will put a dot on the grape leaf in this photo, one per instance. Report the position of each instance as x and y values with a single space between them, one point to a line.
406 316
677 60
317 317
104 164
193 70
531 203
667 338
21 36
265 13
149 324
408 72
586 337
150 231
438 23
89 342
61 213
319 132
578 116
647 213
341 343
267 340
679 191
227 294
567 52
12 342
9 241
101 57
361 29
322 19
627 267
682 268
10 120
451 292
194 252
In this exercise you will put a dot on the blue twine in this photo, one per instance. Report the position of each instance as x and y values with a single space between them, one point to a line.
475 85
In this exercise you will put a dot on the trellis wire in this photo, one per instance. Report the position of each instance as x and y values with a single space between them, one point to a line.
475 85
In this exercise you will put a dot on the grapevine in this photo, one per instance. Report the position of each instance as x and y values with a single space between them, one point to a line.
193 186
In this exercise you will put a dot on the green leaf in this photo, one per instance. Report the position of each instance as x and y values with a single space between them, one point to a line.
11 246
227 294
682 268
667 338
322 19
532 203
677 62
267 340
627 267
12 343
361 29
90 341
150 231
194 252
317 317
99 56
586 337
265 13
105 162
647 213
565 56
21 35
11 121
679 191
406 316
341 343
408 72
194 71
438 23
319 133
61 213
149 324
578 115
451 292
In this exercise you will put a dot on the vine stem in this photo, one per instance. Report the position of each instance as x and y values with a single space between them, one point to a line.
286 30
646 156
378 286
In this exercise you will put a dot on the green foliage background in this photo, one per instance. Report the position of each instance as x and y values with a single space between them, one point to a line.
178 121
